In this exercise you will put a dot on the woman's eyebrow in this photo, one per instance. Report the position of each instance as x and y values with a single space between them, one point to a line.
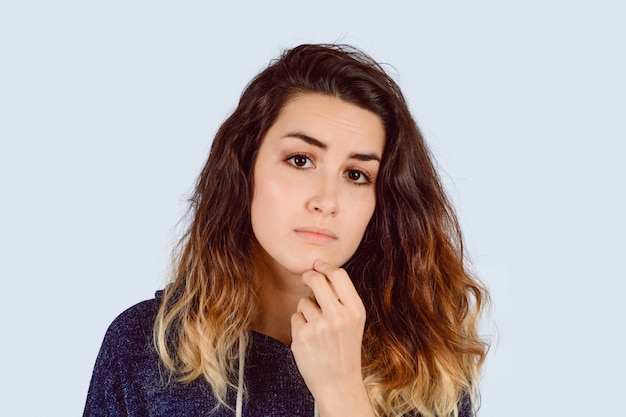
306 138
318 143
365 157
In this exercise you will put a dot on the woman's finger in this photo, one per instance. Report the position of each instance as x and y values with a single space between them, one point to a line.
309 309
297 321
323 290
340 282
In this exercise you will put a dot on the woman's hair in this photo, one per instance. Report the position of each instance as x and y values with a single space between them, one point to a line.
421 348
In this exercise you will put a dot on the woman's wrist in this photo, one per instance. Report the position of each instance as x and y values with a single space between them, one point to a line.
348 400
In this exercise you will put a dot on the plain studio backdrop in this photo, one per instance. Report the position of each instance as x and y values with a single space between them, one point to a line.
107 111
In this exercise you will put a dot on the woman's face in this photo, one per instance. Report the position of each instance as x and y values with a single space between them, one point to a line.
314 182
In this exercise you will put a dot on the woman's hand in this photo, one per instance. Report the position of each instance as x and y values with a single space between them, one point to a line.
326 342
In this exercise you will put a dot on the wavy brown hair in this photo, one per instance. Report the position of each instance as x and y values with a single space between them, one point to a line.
421 348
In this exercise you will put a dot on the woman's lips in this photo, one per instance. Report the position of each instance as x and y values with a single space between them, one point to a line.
315 235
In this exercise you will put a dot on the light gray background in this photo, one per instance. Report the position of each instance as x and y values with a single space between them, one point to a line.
107 110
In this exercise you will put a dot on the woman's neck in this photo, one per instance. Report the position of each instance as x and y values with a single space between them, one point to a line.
279 293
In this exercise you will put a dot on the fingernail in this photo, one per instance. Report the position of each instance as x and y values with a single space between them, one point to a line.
318 264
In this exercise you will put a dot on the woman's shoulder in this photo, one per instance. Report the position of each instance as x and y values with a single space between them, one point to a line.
134 325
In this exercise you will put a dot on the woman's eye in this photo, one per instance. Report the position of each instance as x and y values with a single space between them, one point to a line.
300 161
358 177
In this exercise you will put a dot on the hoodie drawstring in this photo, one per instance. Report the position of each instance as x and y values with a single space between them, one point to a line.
242 359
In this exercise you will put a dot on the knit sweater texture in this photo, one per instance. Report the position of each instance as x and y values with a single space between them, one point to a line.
130 381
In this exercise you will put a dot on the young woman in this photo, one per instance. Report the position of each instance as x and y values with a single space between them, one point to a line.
322 271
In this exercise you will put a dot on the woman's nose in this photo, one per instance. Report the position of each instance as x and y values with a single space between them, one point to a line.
324 198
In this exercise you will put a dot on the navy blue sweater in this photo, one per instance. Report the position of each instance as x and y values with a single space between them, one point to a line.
129 380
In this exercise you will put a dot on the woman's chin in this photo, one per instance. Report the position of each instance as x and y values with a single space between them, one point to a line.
298 265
